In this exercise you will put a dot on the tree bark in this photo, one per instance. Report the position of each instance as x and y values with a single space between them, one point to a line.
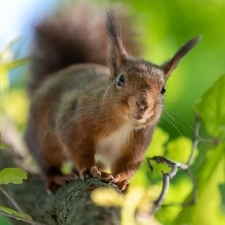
70 204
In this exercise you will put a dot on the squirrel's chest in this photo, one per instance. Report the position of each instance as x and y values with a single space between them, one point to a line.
110 147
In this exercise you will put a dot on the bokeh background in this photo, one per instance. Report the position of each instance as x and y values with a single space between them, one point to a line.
164 25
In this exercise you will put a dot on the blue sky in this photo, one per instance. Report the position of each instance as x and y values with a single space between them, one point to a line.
17 17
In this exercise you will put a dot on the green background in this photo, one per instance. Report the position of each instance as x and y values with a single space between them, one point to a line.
164 25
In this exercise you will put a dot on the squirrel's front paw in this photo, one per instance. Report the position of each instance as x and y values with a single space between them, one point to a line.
121 183
54 181
95 172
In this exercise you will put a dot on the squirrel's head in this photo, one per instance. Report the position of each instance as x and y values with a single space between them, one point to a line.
136 87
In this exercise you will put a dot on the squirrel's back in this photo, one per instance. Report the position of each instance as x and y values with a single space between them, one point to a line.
75 35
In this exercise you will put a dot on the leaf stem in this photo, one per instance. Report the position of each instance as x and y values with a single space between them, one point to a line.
19 218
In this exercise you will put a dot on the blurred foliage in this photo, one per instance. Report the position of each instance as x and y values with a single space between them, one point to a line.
10 106
164 26
4 221
13 101
211 108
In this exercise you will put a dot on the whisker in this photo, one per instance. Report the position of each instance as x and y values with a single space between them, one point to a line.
177 121
174 125
184 121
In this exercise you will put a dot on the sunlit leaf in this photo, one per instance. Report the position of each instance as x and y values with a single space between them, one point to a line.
15 213
211 108
107 197
15 104
179 149
67 167
157 147
12 175
147 197
4 81
159 139
131 202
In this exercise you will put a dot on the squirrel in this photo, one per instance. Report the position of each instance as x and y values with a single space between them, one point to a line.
90 98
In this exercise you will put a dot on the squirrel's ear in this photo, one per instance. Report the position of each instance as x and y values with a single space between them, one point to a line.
171 64
117 54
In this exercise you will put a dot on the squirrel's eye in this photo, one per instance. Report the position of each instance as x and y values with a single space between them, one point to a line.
163 90
120 81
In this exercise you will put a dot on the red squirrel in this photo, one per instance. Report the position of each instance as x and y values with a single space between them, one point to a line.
90 98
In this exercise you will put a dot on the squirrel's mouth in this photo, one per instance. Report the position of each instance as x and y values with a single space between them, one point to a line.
138 118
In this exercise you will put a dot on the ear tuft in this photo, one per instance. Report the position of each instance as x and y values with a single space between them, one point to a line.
170 65
118 54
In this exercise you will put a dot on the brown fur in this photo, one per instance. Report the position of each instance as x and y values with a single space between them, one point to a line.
83 110
76 35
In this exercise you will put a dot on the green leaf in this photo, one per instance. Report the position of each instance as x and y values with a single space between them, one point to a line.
67 167
12 175
179 149
210 175
4 81
4 220
211 108
159 139
15 213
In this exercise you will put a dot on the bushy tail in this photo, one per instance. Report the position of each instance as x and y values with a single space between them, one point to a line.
75 35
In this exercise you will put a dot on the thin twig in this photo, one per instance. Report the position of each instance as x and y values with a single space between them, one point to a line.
195 139
166 179
194 193
214 141
13 202
195 188
159 201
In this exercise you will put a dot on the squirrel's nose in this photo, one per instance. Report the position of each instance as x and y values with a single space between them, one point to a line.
142 104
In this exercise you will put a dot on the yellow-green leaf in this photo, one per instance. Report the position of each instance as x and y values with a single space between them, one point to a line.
211 108
12 175
159 139
15 213
207 211
107 197
179 149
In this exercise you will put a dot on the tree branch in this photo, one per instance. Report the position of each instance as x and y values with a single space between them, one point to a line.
70 205
174 167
